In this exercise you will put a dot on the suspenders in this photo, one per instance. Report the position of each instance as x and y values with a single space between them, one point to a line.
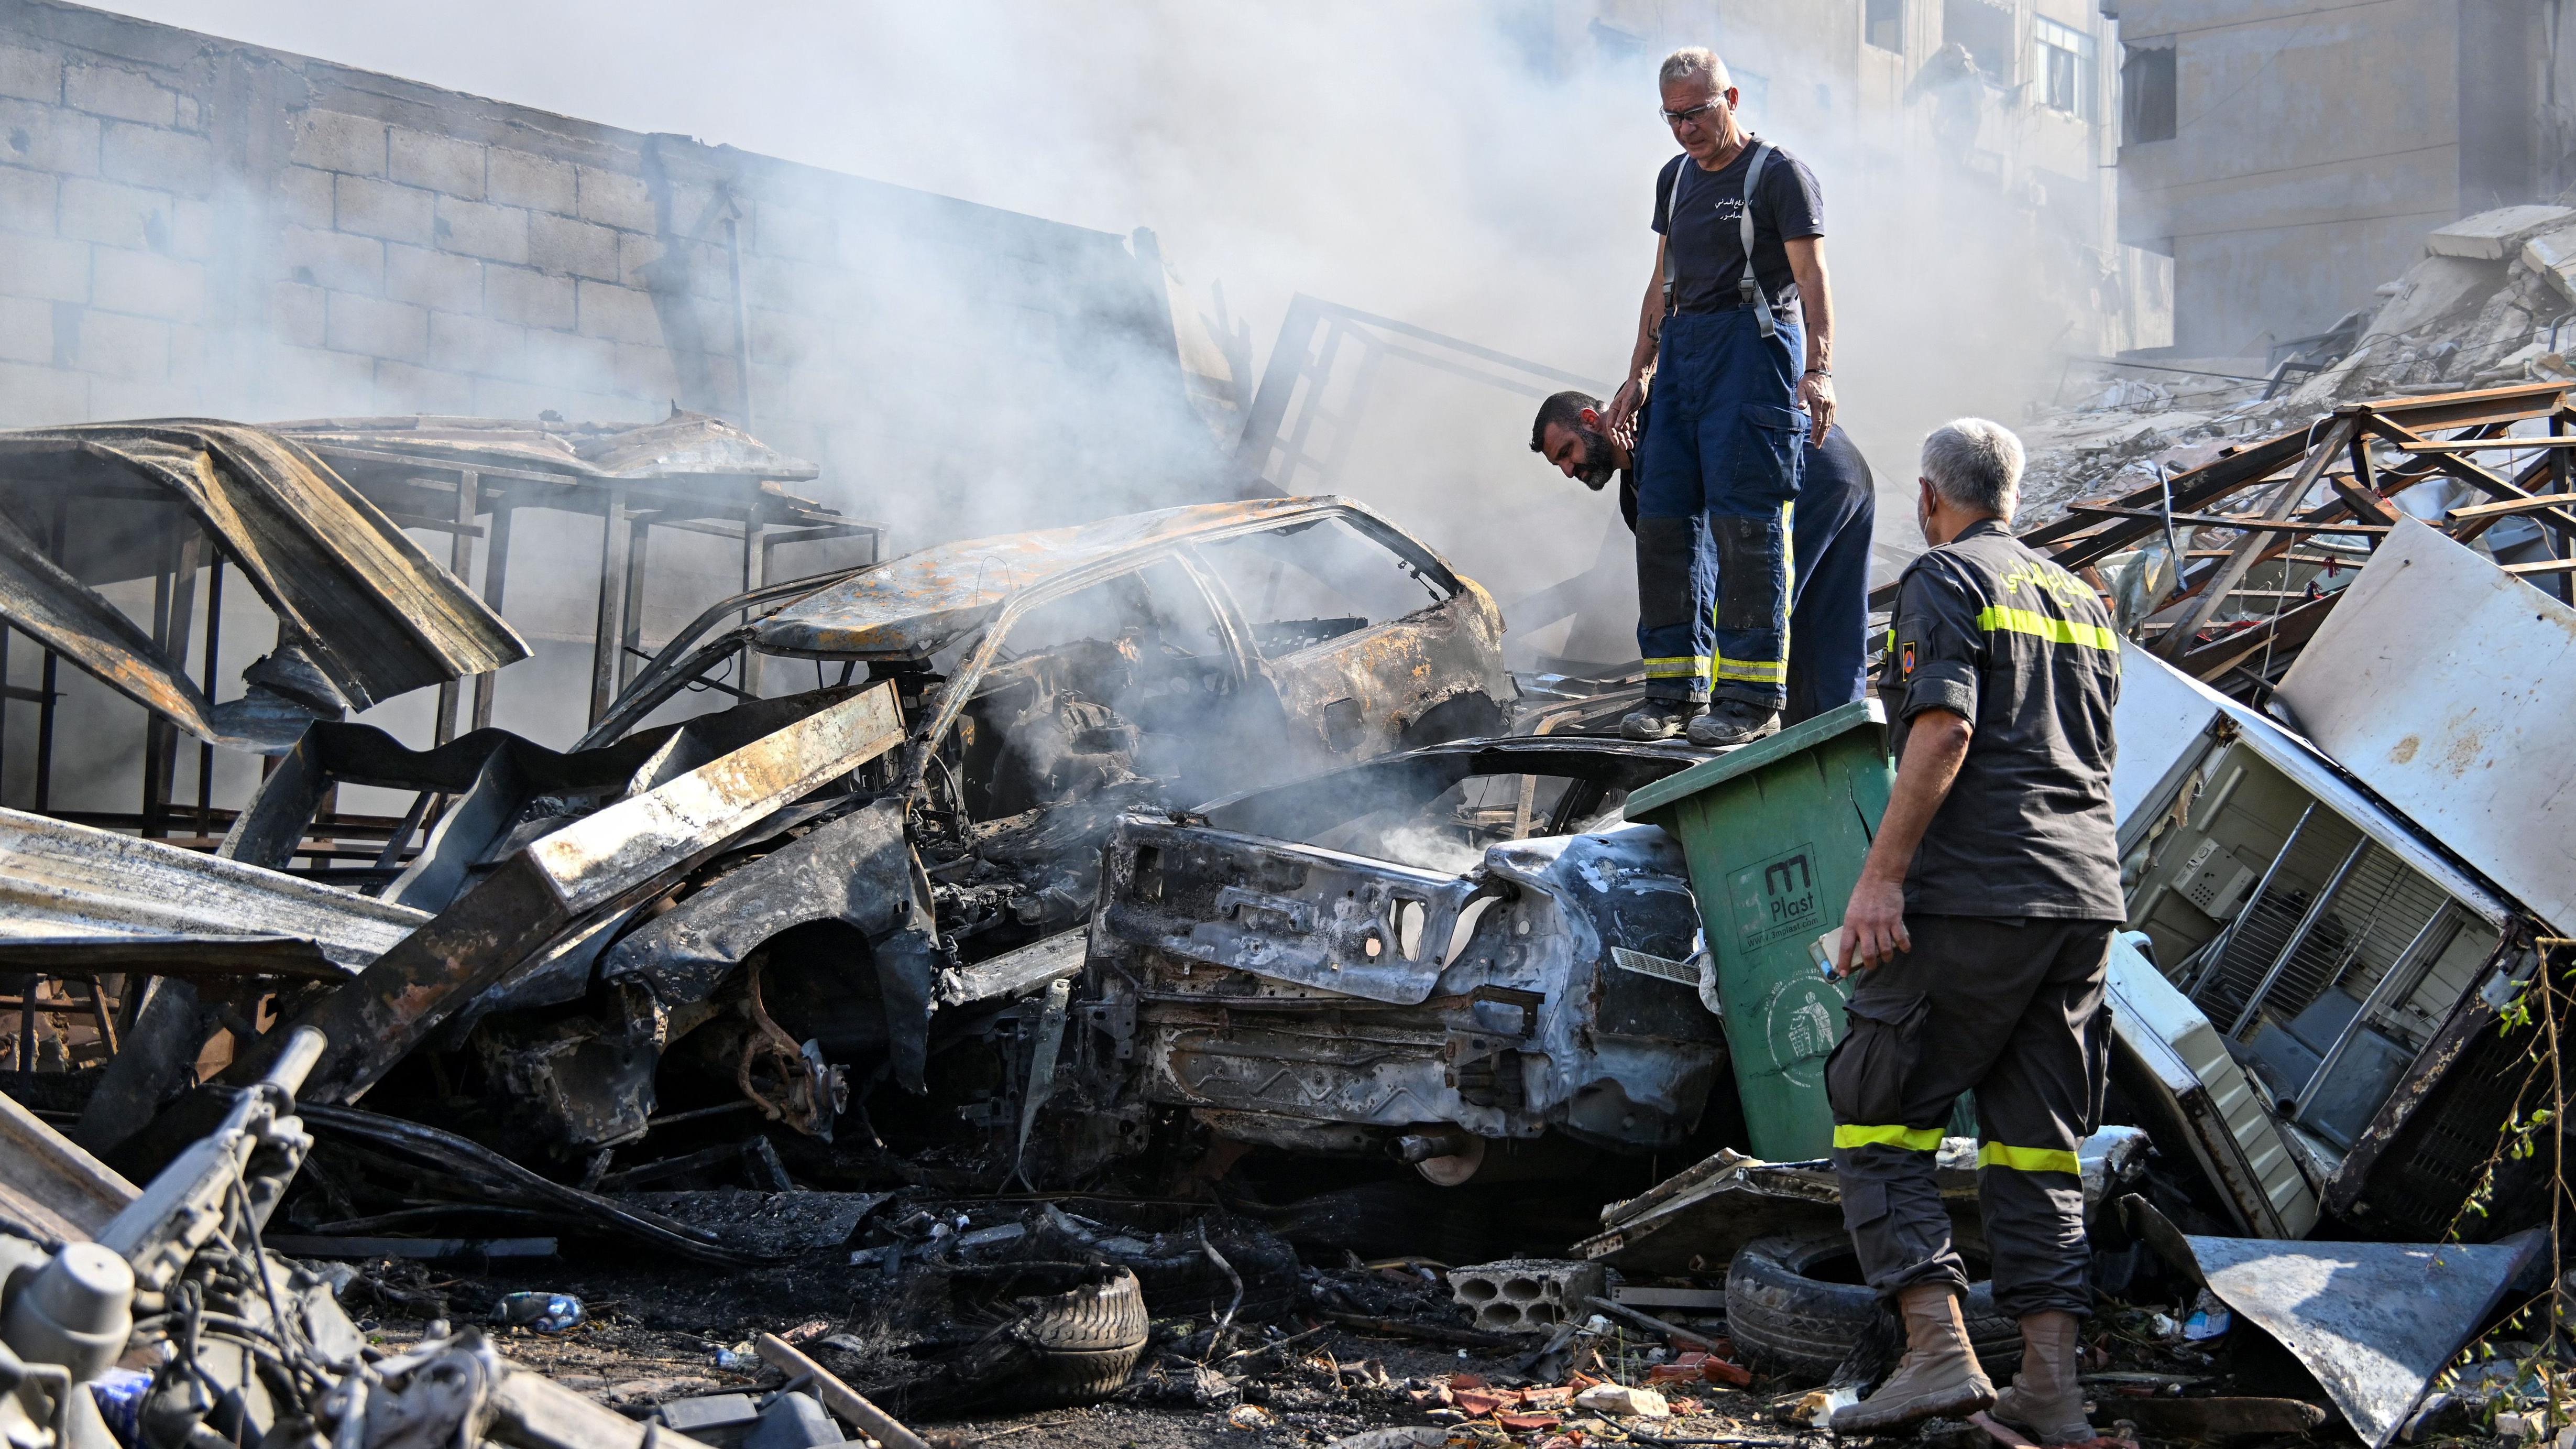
1746 288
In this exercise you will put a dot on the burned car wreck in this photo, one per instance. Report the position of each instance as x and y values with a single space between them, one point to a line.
1046 683
1457 952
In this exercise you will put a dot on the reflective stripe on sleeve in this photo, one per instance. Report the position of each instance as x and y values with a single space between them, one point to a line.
2048 627
1912 1139
2021 1159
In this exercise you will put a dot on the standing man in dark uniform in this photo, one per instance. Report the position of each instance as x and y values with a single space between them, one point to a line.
1737 330
1983 922
1836 513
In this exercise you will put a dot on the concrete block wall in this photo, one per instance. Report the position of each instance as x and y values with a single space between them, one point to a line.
194 226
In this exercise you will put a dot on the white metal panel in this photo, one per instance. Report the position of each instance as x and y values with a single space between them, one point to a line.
2295 757
2449 687
2163 716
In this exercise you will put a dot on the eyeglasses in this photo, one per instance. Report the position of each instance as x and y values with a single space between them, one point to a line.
1694 114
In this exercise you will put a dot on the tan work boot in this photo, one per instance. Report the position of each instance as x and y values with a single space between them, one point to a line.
1939 1377
2045 1401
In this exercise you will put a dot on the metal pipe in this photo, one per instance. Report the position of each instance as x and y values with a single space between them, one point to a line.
2418 953
2299 936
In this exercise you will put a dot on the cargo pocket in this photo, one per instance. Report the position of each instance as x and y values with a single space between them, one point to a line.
2097 1066
1864 1202
1764 469
1865 1078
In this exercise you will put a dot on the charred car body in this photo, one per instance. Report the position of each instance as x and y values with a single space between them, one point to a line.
1429 954
1047 682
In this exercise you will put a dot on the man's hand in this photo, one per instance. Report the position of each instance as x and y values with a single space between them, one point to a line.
1873 926
1816 395
1621 421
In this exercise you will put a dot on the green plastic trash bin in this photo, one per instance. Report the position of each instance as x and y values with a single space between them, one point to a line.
1775 833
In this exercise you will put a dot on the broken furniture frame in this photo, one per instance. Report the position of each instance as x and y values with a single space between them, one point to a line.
2416 439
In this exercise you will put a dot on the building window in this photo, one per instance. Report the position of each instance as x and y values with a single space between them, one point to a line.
2147 110
1883 24
2062 64
1985 31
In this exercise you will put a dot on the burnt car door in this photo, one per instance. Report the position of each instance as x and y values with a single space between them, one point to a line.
1366 640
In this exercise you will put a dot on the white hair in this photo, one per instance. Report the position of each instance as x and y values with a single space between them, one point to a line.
1697 60
1975 464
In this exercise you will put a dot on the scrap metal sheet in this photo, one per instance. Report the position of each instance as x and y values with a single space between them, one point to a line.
2373 1321
62 883
379 615
2447 685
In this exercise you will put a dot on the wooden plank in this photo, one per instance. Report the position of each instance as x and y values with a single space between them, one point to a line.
2509 507
2245 522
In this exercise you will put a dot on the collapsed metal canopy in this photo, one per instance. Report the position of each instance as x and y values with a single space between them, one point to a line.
367 606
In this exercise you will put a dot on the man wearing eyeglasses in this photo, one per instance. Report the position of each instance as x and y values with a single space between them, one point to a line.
1741 357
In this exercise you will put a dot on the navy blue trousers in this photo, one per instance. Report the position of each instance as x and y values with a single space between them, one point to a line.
1829 608
1717 483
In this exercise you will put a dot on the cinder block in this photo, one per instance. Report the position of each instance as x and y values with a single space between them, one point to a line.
192 226
30 75
129 347
26 200
337 142
333 259
560 244
649 373
375 208
32 396
403 388
376 327
539 183
313 381
2495 235
433 279
1526 1295
615 200
477 229
114 91
47 268
635 252
172 160
441 163
112 212
531 299
477 345
147 284
295 313
579 362
304 197
26 330
48 138
113 399
620 314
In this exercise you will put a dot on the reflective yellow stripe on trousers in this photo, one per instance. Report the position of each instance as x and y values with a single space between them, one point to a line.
1683 668
1912 1139
2026 1159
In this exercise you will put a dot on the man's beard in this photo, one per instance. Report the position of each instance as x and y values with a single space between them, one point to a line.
1598 465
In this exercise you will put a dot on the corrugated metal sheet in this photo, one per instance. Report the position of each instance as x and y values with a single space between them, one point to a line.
2449 687
379 616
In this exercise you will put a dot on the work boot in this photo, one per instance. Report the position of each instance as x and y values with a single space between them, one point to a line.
1939 1377
1659 719
2045 1402
1733 722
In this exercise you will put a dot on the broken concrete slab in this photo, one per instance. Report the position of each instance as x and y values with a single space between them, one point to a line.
2495 235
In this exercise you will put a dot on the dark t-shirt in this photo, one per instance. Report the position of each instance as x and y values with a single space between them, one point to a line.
2024 651
1708 245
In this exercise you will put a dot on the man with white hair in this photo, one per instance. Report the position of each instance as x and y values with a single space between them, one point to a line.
1737 332
1982 922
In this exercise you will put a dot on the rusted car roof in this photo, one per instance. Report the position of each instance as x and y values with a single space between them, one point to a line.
683 445
377 615
918 604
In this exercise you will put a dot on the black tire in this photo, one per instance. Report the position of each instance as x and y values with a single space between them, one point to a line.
1787 1309
1104 1315
1063 1380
